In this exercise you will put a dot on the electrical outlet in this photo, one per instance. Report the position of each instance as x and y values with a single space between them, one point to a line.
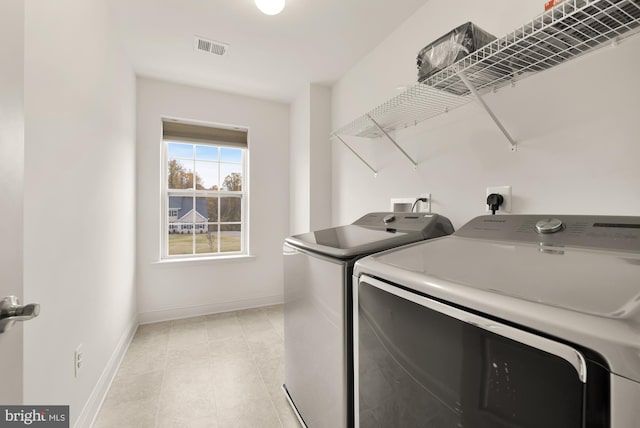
78 360
505 191
425 207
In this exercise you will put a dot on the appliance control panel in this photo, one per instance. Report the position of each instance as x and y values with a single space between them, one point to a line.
605 232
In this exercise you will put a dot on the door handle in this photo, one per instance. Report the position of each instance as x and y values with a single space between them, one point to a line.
11 311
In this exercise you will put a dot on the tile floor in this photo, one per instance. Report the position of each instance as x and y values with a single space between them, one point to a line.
222 370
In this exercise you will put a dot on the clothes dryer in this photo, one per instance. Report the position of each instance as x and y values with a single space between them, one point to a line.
513 321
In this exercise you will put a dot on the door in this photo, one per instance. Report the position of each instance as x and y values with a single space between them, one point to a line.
11 188
424 363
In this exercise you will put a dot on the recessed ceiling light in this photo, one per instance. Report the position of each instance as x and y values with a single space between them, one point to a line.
270 7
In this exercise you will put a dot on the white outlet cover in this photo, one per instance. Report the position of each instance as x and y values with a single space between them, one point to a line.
505 191
425 207
78 357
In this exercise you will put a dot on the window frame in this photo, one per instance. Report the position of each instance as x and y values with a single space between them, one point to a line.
243 195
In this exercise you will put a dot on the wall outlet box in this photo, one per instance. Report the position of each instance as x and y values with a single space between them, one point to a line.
505 191
401 205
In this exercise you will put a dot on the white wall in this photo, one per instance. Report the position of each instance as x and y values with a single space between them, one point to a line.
11 186
180 289
576 126
310 160
299 163
79 240
320 158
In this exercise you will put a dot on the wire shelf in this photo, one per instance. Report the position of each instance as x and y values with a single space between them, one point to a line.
570 29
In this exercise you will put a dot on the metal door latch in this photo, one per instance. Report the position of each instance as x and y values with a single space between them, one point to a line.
11 311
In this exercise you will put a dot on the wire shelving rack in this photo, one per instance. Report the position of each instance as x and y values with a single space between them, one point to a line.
566 31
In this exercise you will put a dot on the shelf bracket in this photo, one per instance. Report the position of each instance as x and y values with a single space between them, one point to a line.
484 105
415 165
357 155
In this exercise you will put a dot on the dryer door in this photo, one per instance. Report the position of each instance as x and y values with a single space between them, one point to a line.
421 363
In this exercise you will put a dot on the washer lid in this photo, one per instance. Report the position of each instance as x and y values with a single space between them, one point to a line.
372 233
605 284
350 241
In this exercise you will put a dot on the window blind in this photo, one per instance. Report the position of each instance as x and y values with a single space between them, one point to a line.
176 131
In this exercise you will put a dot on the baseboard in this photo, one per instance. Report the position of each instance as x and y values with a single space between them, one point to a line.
94 403
214 308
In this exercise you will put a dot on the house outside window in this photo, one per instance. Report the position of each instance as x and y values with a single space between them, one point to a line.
205 196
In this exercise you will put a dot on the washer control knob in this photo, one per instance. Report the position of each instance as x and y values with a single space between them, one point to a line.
389 218
549 225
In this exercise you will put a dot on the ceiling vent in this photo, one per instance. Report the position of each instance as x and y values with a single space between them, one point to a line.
211 46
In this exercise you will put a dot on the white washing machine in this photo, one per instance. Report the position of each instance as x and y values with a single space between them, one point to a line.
318 267
512 322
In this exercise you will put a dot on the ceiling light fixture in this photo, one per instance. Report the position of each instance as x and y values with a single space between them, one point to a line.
270 7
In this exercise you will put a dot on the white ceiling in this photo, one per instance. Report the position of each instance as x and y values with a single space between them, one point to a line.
273 57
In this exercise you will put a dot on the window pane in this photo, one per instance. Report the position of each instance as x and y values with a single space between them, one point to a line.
207 241
230 237
231 209
230 155
180 209
207 208
206 175
209 153
231 176
178 150
180 174
198 221
180 239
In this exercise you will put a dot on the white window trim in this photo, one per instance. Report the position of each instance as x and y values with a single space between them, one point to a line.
242 258
244 254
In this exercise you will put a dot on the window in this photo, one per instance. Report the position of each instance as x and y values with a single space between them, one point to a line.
205 191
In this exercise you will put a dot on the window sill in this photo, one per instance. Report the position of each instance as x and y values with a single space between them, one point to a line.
206 260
